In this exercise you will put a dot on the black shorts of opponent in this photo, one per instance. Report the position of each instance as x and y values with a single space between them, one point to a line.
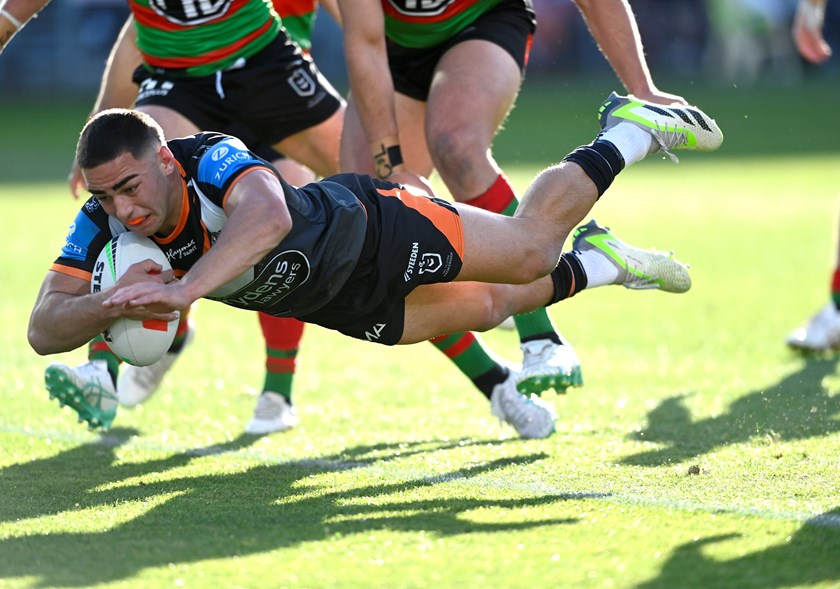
510 25
276 93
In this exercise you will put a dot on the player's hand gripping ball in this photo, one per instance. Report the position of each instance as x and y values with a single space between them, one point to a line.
140 343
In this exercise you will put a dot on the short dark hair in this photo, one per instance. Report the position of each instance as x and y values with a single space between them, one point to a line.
115 131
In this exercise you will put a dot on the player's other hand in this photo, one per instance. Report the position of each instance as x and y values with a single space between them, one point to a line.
657 96
807 34
413 182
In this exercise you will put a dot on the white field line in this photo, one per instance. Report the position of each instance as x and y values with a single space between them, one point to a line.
482 481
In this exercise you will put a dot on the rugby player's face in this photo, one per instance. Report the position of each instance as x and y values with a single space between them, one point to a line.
138 192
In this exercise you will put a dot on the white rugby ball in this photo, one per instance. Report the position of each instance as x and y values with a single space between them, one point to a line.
137 342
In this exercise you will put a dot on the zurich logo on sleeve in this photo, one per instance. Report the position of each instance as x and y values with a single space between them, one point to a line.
223 161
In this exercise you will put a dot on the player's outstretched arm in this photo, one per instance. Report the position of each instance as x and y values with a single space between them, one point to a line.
614 29
258 220
116 90
66 315
14 14
371 82
808 30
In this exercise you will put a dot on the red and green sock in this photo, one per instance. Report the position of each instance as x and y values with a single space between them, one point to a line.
282 340
471 358
99 350
835 288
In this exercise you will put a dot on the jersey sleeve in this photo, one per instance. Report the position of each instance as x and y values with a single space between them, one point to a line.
219 162
88 234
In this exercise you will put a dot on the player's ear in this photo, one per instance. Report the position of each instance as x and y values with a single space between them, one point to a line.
167 160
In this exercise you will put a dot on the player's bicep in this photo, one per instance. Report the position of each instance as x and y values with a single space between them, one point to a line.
256 186
60 283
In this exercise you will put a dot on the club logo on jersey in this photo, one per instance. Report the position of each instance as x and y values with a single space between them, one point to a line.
91 205
279 277
420 7
190 12
302 83
430 263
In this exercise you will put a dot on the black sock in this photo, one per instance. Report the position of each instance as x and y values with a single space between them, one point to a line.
550 335
487 381
568 277
600 160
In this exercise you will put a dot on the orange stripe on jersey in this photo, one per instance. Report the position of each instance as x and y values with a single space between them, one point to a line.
182 219
70 271
239 177
155 324
446 220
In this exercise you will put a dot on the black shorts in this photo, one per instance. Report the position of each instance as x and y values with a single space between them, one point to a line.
410 241
276 93
264 150
510 25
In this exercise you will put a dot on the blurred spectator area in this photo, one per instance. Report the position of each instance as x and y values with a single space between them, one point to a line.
63 51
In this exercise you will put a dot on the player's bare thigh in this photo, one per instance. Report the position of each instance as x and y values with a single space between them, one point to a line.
318 146
173 123
473 88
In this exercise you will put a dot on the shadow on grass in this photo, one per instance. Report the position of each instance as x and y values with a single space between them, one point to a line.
797 407
265 508
808 557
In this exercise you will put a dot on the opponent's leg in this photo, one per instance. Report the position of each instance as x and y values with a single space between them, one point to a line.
459 135
822 332
274 411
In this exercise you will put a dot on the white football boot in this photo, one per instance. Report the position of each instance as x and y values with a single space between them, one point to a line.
531 417
273 413
547 365
135 384
821 333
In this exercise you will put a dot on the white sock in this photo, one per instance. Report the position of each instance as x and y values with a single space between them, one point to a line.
632 142
599 270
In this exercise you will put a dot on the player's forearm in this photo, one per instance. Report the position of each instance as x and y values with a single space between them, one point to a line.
811 14
371 82
258 220
62 322
614 29
14 14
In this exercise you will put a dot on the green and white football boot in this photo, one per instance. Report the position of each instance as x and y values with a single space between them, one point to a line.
672 127
87 389
638 269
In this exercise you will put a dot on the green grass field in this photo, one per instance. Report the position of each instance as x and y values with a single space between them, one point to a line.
399 476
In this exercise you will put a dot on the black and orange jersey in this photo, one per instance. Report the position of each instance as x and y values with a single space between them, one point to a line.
302 274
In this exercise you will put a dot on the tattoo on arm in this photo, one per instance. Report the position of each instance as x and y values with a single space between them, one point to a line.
386 160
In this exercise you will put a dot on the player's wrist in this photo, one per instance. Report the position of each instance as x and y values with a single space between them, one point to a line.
387 159
811 13
9 25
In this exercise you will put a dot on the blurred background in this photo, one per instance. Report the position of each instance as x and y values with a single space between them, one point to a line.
732 57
